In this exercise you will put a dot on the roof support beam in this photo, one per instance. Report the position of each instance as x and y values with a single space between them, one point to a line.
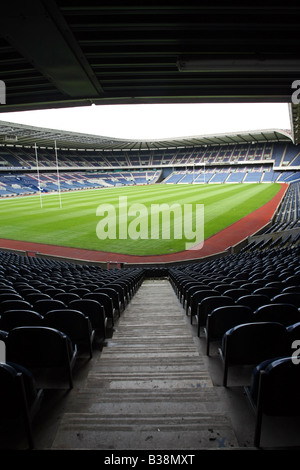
23 24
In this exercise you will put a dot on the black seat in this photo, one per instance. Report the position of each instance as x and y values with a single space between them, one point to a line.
74 324
106 302
274 391
14 318
252 343
295 289
113 293
66 297
236 293
95 312
122 293
207 305
15 305
287 298
268 291
189 292
79 291
42 350
286 314
33 298
253 301
222 319
197 298
10 296
221 288
294 333
45 305
19 397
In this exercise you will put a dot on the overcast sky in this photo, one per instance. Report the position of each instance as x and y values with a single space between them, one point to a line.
158 121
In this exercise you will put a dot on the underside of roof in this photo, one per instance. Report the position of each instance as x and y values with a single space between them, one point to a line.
63 53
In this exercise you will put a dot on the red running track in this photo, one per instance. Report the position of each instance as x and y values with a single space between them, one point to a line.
217 243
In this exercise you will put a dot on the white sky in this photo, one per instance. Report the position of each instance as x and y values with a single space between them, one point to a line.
158 121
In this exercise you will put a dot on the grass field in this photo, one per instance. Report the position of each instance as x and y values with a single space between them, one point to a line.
74 224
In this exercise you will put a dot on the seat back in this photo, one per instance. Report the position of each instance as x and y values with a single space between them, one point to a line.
71 322
44 306
288 298
92 309
67 297
38 347
253 301
14 318
252 343
286 314
237 293
208 304
15 305
223 318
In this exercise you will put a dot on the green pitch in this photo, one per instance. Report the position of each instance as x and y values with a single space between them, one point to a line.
77 224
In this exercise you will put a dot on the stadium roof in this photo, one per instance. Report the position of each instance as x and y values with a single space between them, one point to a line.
71 52
63 53
24 135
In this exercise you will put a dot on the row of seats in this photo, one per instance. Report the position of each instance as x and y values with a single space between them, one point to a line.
249 303
51 313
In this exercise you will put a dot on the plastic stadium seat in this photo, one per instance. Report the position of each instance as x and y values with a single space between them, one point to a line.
95 312
114 294
33 298
236 293
189 292
79 291
222 319
43 351
207 305
15 305
221 288
294 332
249 286
14 318
253 301
197 298
274 391
295 289
66 297
122 293
74 324
44 306
188 287
286 314
268 291
106 302
288 298
10 296
19 397
52 291
252 343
